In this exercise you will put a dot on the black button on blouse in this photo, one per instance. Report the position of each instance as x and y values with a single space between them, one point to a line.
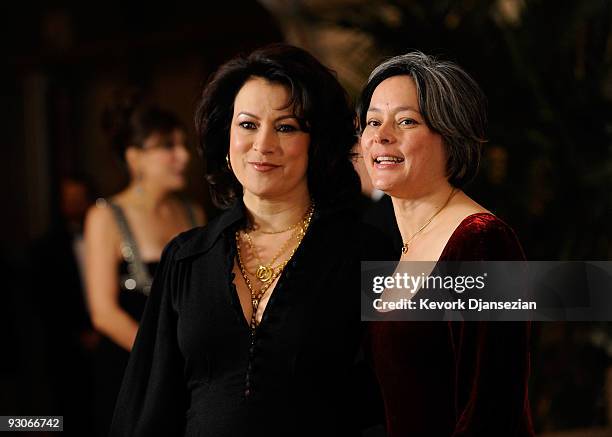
196 369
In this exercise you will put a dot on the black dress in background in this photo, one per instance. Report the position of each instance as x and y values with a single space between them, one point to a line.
110 359
194 370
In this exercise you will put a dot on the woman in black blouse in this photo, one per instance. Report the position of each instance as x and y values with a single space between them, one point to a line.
252 324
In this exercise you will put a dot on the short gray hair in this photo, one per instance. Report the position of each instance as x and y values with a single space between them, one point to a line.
451 102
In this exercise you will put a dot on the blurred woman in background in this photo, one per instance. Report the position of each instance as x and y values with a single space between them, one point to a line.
125 235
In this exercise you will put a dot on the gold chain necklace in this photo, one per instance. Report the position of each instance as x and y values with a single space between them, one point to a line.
265 271
256 295
406 245
293 226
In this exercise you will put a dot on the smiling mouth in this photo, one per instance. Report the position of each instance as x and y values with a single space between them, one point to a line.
263 166
386 160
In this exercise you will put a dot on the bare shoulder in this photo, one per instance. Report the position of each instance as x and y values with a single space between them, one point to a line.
100 222
464 205
458 210
100 213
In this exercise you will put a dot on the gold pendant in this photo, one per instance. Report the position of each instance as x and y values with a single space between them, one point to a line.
264 273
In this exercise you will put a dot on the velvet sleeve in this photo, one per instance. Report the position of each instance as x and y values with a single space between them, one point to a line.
153 397
491 358
492 368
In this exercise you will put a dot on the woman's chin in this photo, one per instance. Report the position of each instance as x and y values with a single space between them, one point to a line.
388 187
270 195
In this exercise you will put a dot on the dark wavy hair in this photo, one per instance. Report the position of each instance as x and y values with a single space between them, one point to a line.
319 102
451 103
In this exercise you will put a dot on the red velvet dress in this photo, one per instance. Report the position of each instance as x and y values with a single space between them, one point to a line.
457 378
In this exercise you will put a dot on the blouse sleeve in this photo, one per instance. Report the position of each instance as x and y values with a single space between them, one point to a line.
491 358
153 398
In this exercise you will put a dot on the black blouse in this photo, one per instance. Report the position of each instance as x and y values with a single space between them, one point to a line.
194 370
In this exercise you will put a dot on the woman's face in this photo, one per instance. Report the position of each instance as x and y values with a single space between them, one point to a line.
163 159
400 152
268 150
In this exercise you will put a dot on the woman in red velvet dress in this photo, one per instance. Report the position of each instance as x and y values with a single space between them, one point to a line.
423 125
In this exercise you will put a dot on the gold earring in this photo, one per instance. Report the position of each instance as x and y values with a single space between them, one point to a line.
229 164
